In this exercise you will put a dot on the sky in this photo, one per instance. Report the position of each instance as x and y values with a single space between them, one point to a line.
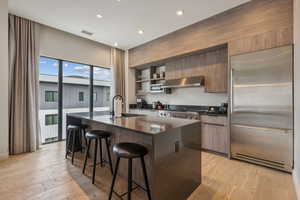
50 66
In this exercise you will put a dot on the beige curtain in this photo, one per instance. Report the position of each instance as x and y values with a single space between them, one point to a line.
118 68
24 128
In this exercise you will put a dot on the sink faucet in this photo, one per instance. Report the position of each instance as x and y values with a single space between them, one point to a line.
113 103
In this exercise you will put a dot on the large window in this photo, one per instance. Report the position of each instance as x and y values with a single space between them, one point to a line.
70 87
76 89
102 80
49 87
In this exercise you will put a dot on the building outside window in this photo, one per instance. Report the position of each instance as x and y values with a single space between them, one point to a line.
95 96
107 95
51 96
51 119
81 96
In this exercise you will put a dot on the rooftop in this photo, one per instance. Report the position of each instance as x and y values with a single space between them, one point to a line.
76 80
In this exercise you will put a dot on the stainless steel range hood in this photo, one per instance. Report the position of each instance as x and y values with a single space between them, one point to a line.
195 81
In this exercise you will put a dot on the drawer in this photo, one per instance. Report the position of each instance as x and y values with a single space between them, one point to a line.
221 120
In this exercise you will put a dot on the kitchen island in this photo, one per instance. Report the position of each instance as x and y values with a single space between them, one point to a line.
174 159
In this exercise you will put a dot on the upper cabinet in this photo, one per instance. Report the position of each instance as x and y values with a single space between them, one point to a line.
216 80
213 65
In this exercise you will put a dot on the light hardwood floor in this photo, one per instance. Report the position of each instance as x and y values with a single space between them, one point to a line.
46 175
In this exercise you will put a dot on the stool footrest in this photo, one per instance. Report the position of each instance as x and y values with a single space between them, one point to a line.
99 163
120 196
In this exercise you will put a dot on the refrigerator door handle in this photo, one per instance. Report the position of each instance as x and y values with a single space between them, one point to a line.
285 130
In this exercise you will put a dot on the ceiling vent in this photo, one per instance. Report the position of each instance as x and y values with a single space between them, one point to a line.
86 32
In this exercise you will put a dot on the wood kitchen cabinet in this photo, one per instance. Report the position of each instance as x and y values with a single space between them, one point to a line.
212 65
214 134
216 79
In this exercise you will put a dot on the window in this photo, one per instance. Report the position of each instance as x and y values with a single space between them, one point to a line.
81 96
95 96
102 82
74 81
108 94
49 101
51 96
51 119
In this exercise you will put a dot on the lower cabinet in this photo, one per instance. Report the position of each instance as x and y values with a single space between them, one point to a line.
214 137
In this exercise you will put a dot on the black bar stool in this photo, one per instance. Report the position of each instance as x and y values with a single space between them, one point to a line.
73 133
130 151
84 128
97 135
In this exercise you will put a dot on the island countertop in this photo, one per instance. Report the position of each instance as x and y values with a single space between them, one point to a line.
139 123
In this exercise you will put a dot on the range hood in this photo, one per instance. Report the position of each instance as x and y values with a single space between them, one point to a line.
195 81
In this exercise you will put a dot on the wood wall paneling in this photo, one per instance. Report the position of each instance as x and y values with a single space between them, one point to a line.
252 26
118 64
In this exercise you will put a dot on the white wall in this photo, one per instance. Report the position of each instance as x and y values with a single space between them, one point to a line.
189 96
59 44
4 79
296 172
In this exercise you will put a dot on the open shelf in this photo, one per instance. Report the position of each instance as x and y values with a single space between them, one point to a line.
157 79
141 81
149 77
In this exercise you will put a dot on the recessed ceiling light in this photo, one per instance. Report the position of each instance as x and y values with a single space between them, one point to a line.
179 12
141 32
115 44
99 16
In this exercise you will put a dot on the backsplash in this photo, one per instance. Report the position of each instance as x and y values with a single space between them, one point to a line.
189 96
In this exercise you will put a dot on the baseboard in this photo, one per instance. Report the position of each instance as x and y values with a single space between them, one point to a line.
3 156
296 184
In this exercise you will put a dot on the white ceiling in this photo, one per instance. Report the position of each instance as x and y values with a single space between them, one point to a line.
121 19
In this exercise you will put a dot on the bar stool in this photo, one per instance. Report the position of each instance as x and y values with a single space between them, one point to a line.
130 151
97 135
73 131
84 128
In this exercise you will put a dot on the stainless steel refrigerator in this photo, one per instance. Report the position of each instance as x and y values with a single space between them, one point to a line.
262 107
